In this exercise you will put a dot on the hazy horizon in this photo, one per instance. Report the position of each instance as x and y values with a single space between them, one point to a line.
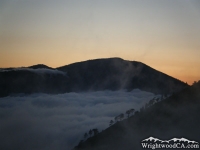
18 67
162 34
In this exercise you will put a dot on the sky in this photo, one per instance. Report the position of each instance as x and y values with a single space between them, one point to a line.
162 34
49 122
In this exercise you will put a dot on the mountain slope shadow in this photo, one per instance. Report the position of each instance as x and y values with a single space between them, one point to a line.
175 117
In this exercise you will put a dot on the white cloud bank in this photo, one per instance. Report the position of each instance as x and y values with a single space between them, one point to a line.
49 122
40 71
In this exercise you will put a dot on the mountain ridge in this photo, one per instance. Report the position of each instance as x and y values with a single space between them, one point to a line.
116 73
176 116
90 75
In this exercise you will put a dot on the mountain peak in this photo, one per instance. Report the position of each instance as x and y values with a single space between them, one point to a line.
92 75
116 73
39 66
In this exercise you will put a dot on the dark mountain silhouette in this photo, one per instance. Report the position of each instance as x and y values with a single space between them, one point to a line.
116 73
40 66
29 80
91 75
174 117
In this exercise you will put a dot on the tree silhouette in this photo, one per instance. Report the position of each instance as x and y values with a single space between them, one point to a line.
85 135
95 131
146 105
132 111
90 132
116 118
137 112
194 83
128 113
151 102
121 116
142 109
111 122
157 99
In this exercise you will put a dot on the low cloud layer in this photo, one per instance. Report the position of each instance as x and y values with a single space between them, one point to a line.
48 122
40 71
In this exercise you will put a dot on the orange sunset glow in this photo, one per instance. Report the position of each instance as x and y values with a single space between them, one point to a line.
162 34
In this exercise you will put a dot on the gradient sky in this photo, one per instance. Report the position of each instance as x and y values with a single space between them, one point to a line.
163 34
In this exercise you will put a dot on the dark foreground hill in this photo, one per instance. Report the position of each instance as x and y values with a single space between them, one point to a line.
91 75
175 117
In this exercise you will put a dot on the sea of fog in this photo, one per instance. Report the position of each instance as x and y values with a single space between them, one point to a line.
49 122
